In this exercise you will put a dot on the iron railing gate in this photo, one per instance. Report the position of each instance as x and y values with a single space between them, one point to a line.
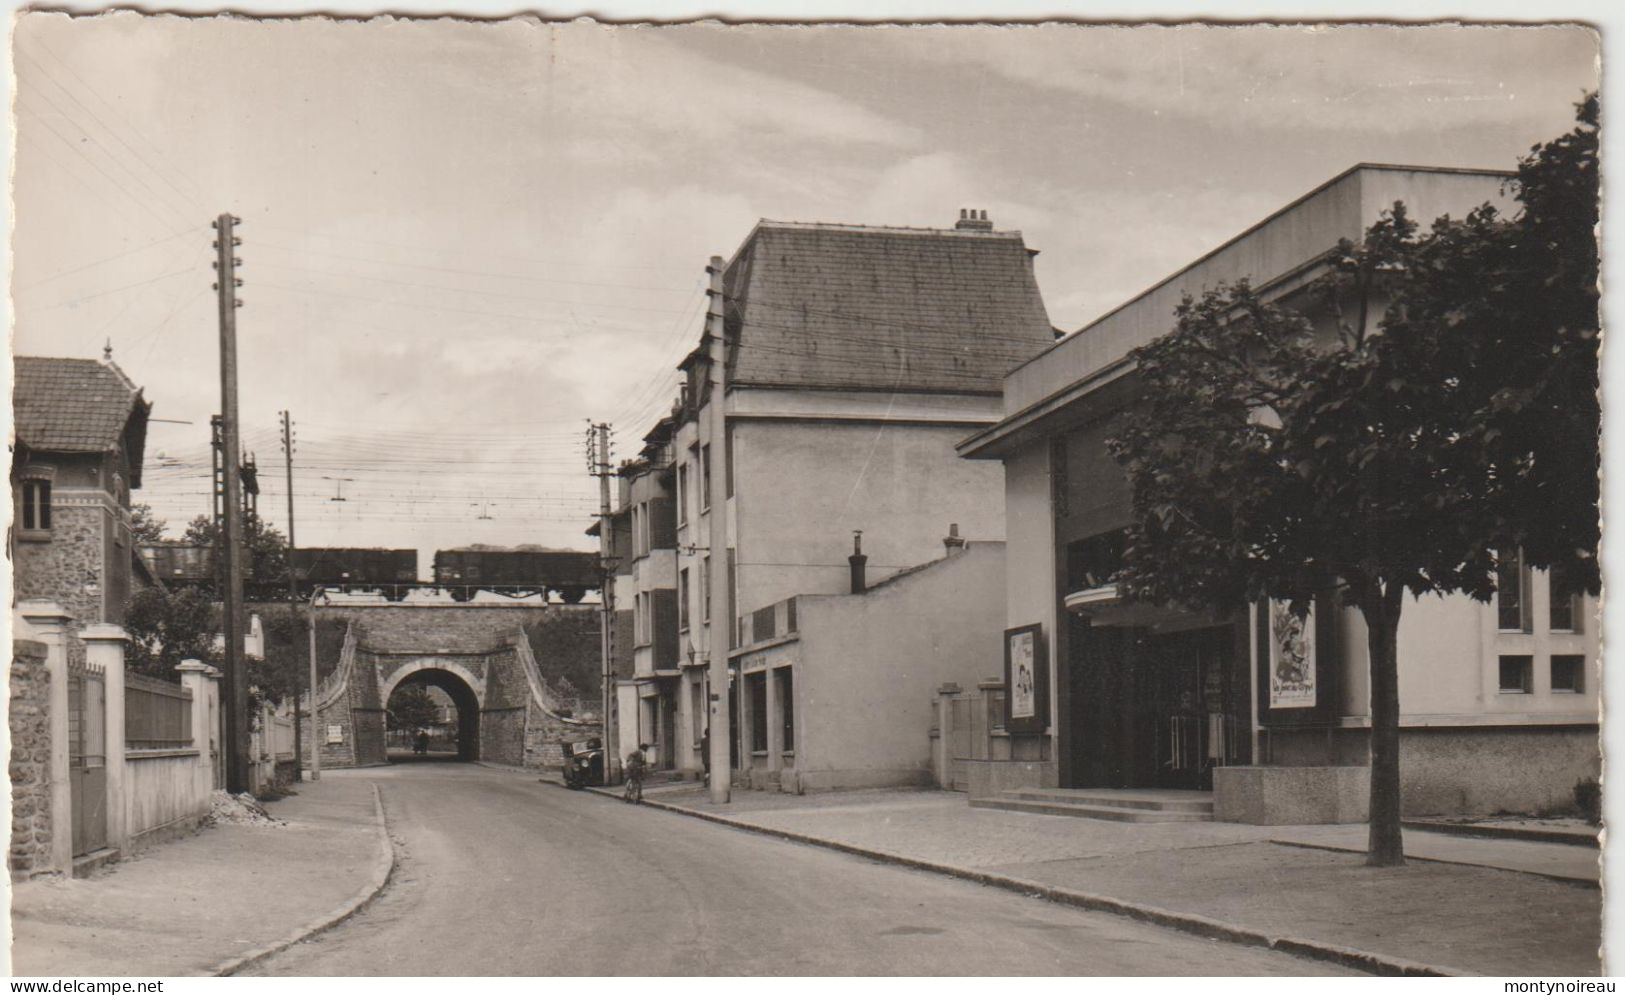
87 756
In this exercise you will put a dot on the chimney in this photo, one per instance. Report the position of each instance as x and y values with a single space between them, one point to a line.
973 220
857 561
953 543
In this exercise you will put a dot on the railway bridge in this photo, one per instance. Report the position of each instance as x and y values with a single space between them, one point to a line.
503 666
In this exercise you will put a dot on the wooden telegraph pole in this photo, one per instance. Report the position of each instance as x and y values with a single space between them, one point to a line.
293 599
598 459
719 637
235 679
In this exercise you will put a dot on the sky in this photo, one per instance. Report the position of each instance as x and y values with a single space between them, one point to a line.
463 240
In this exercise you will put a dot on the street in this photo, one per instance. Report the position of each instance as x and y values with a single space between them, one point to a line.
501 875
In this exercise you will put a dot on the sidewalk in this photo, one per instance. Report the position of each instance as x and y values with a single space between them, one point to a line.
189 907
1446 912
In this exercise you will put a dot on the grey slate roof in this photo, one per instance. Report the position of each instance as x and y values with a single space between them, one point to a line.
73 405
883 308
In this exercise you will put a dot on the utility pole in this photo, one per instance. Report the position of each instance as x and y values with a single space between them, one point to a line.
598 466
719 636
235 680
315 718
293 599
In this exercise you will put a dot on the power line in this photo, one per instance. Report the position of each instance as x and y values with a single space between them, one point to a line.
109 259
167 223
188 202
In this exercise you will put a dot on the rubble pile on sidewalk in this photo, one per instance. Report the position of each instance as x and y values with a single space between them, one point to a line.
240 810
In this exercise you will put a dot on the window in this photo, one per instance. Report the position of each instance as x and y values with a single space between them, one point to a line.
1517 674
787 705
705 589
705 477
36 505
756 688
682 494
728 463
682 599
1568 674
1512 594
1565 599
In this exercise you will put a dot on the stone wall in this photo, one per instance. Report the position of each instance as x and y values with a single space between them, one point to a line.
68 568
30 723
485 640
1464 770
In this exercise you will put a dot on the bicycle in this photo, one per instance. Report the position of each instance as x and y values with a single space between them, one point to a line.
633 791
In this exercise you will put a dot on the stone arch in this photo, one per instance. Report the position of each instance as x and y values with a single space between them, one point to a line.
465 688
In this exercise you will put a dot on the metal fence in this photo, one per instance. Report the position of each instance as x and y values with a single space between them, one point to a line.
157 714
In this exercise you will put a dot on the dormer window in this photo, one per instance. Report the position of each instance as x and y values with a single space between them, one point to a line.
36 506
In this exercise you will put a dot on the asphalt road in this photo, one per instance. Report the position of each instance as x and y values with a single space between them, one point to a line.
502 875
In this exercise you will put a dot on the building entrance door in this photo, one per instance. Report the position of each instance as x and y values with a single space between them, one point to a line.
1152 709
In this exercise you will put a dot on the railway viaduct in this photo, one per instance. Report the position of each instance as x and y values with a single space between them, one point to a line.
509 705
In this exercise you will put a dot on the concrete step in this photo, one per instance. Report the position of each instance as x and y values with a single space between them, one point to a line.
87 864
1110 813
1151 801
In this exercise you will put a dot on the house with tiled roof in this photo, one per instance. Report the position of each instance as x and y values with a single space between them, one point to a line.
855 357
80 429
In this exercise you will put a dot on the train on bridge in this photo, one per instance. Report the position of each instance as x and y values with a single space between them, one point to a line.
392 573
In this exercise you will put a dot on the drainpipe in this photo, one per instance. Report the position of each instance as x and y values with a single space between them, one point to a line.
856 561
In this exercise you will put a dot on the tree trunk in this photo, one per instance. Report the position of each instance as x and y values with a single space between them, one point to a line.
1386 848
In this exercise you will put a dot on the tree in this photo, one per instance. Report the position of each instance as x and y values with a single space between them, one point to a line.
1406 452
267 548
166 627
147 527
410 707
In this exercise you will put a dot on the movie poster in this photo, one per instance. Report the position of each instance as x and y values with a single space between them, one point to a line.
1292 658
1023 679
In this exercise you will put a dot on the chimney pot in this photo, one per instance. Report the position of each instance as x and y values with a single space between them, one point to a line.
952 542
856 562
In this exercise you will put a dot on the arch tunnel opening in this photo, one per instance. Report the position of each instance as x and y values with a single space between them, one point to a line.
424 726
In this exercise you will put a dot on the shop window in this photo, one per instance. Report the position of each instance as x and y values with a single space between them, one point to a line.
756 689
787 705
36 498
1512 594
1517 674
1568 674
1565 599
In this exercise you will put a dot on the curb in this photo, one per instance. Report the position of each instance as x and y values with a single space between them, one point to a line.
1559 878
1359 960
383 868
1587 840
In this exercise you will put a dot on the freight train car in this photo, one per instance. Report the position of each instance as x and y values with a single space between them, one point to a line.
389 572
516 572
180 564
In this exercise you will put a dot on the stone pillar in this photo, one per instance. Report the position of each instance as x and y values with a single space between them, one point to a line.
945 734
104 648
50 622
775 722
216 733
195 678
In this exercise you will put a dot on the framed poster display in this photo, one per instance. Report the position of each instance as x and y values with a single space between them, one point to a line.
1026 680
1297 664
